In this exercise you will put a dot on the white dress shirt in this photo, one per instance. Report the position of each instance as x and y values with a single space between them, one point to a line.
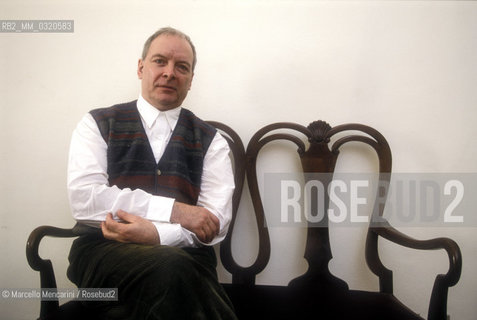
92 198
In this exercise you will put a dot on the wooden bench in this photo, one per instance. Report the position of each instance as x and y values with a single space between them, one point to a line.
317 294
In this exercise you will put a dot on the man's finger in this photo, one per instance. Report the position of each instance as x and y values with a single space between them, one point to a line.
125 216
214 224
111 228
107 232
110 223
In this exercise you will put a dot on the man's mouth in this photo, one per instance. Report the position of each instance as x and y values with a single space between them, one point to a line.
167 87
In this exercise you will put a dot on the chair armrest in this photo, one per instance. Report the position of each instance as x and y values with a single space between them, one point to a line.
47 274
438 303
451 247
33 243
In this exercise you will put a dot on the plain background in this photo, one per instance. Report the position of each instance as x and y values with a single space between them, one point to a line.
407 68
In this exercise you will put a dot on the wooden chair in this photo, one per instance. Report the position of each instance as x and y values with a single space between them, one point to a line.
317 294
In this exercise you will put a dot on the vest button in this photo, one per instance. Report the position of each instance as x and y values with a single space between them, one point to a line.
159 172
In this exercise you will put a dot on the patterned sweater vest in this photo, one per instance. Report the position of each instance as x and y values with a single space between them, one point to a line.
131 162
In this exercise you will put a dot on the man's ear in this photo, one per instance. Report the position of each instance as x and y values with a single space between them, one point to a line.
140 67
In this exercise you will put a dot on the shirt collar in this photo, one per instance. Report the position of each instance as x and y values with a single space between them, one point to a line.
149 113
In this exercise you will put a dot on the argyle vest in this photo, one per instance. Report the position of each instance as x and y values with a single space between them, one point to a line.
131 162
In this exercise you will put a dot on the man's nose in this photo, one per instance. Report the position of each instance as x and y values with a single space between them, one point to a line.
169 71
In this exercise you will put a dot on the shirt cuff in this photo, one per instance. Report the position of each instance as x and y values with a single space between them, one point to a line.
169 233
160 209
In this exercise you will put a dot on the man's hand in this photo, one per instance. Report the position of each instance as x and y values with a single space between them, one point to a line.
196 219
133 229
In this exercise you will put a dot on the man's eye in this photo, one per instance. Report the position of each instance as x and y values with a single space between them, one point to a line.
160 61
183 68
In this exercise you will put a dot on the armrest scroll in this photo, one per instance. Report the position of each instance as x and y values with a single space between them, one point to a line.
442 282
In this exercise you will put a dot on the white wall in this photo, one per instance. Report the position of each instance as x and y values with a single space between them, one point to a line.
406 68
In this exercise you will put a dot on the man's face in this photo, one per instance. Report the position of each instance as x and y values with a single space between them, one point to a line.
166 72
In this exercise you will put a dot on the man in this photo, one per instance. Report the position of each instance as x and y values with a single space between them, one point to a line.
153 183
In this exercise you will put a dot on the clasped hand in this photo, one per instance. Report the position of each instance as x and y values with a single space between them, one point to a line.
135 229
196 219
132 229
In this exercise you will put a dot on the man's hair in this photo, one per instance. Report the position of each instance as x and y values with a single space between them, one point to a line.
172 32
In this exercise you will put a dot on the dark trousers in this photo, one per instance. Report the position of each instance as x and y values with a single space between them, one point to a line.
154 282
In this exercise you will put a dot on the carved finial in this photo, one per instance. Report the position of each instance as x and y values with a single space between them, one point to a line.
318 130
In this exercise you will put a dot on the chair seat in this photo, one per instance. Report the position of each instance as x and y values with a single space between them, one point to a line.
380 306
283 302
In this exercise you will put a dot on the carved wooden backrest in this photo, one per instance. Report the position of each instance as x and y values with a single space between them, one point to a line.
317 155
